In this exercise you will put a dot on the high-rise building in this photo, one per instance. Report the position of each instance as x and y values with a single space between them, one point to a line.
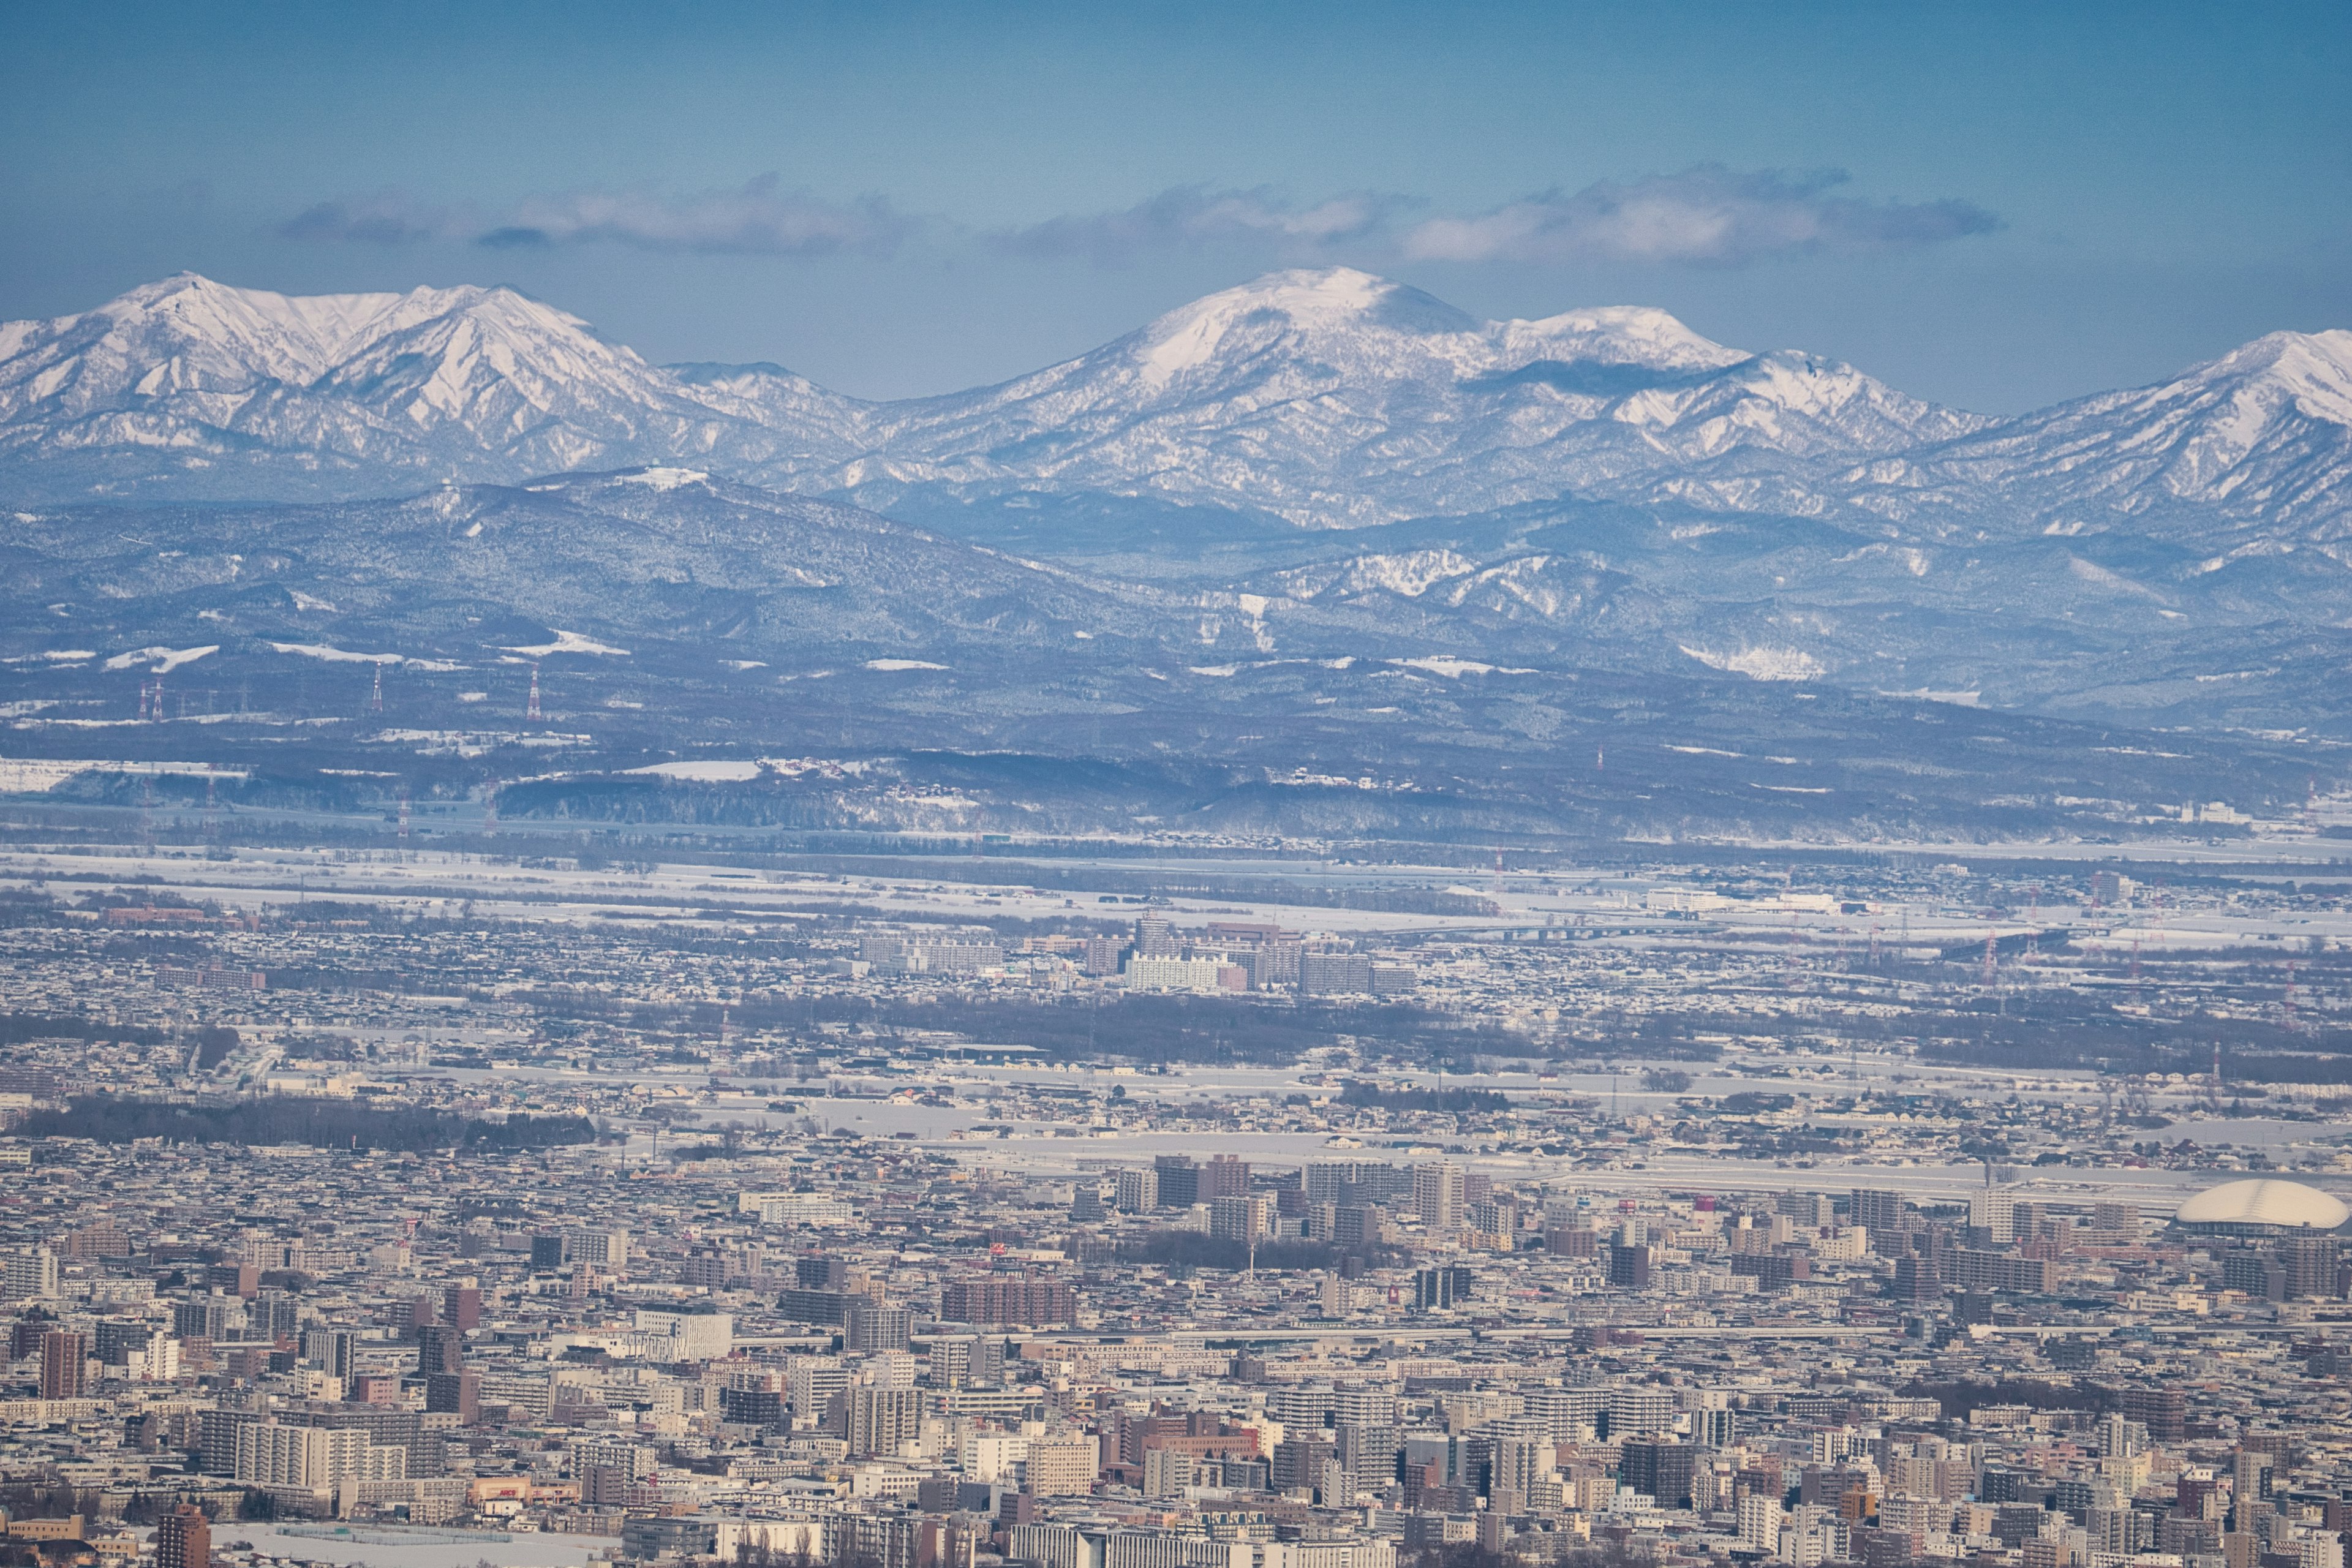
461 1307
2309 1262
183 1539
967 1361
29 1275
1222 1177
1994 1211
1438 1196
1628 1268
1659 1469
870 1326
600 1248
332 1350
205 1318
1439 1290
116 1340
1759 1523
457 1393
1239 1218
877 1420
1062 1466
990 1298
63 1370
1880 1212
1138 1192
1179 1181
439 1348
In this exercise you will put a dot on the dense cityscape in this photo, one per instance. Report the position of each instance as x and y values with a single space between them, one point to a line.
394 1201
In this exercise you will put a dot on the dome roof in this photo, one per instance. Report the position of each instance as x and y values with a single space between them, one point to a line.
2264 1204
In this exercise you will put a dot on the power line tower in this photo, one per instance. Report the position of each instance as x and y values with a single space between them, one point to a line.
531 712
403 816
375 698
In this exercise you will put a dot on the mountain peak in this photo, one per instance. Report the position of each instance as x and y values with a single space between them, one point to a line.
1312 301
1623 334
2314 369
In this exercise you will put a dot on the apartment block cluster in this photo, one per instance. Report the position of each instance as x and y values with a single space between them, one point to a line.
851 1350
1223 956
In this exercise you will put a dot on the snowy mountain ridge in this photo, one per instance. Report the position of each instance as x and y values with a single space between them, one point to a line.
1321 398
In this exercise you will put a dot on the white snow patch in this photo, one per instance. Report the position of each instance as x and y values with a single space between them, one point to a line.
665 479
571 642
898 664
1215 669
1454 669
743 664
706 773
335 655
1761 663
163 660
1956 699
303 600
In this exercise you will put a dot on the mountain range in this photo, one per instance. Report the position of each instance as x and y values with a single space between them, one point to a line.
1324 399
1320 520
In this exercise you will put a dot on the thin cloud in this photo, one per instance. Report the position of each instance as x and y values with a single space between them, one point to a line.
1191 217
1707 215
760 218
388 218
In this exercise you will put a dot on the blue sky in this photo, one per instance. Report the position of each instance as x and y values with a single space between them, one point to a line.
1991 205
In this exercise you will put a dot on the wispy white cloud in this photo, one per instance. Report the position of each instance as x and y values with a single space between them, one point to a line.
1707 215
1191 217
760 218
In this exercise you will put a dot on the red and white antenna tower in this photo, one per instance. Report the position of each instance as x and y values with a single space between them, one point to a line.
531 712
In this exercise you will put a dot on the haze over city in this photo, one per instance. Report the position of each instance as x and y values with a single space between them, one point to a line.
1212 787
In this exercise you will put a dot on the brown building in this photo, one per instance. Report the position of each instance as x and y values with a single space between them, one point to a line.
63 1353
992 1299
183 1539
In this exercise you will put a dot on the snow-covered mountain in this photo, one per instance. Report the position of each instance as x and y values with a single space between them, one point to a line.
1335 398
1326 398
2252 449
187 387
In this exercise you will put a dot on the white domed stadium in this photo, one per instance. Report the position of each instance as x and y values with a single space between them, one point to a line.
2261 1206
